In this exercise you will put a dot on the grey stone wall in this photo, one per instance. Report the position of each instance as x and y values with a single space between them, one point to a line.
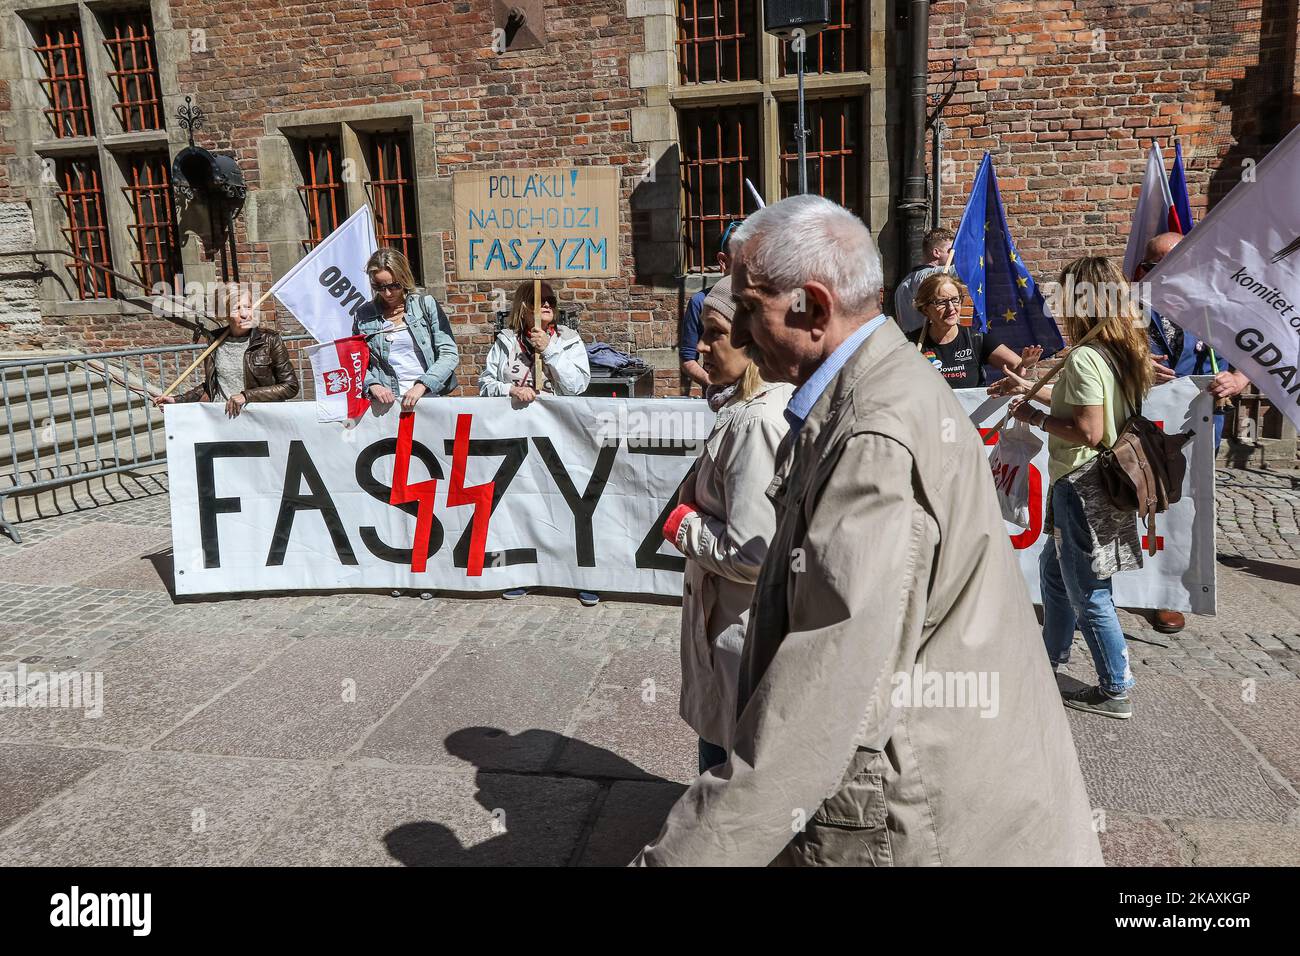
20 314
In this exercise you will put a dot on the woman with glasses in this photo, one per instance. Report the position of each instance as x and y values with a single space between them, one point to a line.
412 353
510 364
958 352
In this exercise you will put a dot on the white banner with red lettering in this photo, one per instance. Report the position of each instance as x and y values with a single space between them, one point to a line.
471 494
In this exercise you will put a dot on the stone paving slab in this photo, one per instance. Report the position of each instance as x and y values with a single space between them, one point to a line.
313 702
1129 839
1173 758
147 572
1268 714
55 562
161 810
1239 843
148 688
508 704
619 720
421 817
34 774
631 816
536 710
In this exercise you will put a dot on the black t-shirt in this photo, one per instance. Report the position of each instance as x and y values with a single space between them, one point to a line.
961 362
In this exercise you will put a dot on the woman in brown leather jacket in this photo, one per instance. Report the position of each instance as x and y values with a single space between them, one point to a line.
252 364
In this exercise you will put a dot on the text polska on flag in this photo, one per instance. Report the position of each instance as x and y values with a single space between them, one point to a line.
339 368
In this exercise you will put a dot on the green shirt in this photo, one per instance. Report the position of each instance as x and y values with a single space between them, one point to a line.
1086 379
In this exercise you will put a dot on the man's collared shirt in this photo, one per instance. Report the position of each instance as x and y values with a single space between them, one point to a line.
802 401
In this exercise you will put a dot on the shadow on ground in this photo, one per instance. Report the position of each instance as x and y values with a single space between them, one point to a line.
611 829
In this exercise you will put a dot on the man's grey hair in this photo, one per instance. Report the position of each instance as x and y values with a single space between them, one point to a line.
810 239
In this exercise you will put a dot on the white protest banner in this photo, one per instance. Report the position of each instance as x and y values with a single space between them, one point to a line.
568 492
328 285
1181 575
339 369
471 494
1236 278
515 224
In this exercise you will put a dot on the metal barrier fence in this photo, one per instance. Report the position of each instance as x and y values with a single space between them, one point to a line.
72 418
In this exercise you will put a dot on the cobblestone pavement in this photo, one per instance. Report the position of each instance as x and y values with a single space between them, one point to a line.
361 728
1257 514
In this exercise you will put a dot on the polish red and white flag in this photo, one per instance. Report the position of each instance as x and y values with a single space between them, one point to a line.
1154 214
339 368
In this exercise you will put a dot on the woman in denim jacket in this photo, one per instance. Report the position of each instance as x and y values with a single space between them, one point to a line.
412 353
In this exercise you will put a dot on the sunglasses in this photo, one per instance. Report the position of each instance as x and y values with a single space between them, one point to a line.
387 287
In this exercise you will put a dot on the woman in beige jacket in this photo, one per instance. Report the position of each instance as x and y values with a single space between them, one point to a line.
723 524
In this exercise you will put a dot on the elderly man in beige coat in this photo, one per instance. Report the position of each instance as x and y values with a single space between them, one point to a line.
895 705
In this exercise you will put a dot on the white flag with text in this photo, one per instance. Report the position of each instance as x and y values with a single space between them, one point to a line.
1235 281
326 288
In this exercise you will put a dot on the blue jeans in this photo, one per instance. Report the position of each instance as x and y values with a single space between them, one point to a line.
1073 594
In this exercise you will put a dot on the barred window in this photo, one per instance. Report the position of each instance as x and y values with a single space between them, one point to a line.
717 40
81 193
322 191
134 74
149 190
59 48
836 49
391 188
834 150
720 150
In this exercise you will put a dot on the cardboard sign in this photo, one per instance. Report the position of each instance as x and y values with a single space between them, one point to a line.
518 224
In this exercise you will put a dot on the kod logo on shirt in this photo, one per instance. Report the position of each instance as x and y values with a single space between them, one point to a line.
965 355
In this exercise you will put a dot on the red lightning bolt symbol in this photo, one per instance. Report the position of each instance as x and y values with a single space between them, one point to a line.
421 492
480 496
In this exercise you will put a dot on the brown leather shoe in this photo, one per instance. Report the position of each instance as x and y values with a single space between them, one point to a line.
1169 622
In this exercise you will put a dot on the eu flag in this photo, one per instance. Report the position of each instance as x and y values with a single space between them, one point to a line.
1178 189
1007 303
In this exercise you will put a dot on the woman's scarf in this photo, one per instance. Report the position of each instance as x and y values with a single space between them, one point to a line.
719 395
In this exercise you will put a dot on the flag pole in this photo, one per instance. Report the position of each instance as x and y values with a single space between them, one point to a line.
1091 334
537 324
195 364
211 348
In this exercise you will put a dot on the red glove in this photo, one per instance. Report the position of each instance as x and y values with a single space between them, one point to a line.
674 522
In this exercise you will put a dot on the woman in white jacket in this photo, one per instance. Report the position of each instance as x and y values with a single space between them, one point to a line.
510 362
723 524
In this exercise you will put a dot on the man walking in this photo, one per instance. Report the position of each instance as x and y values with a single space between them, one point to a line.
895 707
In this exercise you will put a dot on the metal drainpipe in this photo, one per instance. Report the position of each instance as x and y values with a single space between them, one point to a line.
915 202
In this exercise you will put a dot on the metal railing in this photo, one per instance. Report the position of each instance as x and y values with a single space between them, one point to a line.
71 418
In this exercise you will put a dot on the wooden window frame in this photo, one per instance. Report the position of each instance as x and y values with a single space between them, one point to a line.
66 80
87 228
322 198
134 73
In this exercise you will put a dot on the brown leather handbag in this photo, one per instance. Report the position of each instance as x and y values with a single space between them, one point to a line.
1143 470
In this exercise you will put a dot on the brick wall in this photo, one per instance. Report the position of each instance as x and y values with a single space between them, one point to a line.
1066 94
567 103
1067 97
